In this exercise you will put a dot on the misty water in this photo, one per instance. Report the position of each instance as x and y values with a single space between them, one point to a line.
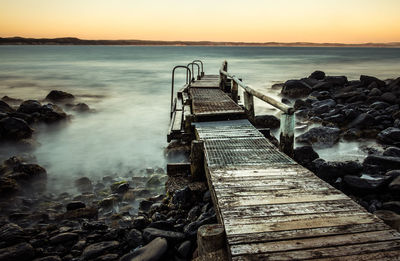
129 89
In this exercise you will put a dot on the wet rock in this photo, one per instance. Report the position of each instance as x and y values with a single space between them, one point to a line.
145 205
87 212
367 80
359 184
151 233
390 218
362 121
330 171
8 187
75 205
395 185
11 234
385 162
337 80
19 252
30 106
181 197
185 249
107 257
152 251
5 108
392 152
29 173
392 206
140 222
267 121
48 258
317 75
390 135
107 203
320 135
296 88
388 97
59 96
375 92
194 213
98 249
207 196
64 238
134 238
14 129
84 185
154 180
305 155
119 187
51 113
322 86
301 104
81 107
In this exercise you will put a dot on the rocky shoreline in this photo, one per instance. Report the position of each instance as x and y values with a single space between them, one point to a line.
364 109
115 218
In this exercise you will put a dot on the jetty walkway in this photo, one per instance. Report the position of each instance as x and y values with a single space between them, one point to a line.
270 207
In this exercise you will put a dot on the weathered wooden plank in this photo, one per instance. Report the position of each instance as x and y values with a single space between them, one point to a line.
250 237
317 242
380 256
177 125
298 222
179 104
328 252
267 211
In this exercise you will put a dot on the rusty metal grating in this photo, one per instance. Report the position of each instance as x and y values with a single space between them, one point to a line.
238 143
212 101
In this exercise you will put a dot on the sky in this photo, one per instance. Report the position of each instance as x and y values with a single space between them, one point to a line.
345 21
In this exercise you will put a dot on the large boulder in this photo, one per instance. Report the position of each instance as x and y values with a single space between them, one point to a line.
332 170
363 185
317 75
367 80
395 185
52 113
337 80
5 108
97 249
19 252
151 233
390 135
152 251
30 106
323 136
296 88
305 155
14 129
362 121
384 162
59 96
11 234
392 152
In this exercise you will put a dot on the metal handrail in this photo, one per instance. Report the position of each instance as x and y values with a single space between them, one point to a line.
279 105
202 67
173 83
198 70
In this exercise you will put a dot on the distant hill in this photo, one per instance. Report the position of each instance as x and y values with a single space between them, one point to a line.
77 41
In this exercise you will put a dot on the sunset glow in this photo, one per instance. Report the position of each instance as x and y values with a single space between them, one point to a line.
346 21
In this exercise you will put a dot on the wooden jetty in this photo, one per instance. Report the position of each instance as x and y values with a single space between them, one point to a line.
270 207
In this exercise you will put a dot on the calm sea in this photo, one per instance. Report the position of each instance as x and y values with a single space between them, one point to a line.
129 87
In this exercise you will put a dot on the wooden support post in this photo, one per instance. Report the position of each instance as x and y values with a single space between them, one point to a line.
222 77
210 238
287 134
197 160
249 105
234 91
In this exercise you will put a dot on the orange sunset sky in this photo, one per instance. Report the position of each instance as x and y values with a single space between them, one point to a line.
346 21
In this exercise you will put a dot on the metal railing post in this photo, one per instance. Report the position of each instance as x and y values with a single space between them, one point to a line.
286 140
198 70
202 68
173 83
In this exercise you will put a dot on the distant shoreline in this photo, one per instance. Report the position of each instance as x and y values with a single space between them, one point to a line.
77 41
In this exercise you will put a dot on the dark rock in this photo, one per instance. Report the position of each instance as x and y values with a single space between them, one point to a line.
134 238
322 86
8 187
75 205
51 113
108 257
305 155
145 205
362 121
11 234
194 213
14 129
286 101
367 80
390 135
81 107
140 222
375 92
395 185
79 213
296 88
119 187
98 249
392 174
301 104
29 173
94 225
59 96
5 108
388 97
379 105
352 134
392 206
185 250
48 258
267 121
153 251
328 102
64 238
330 171
359 184
181 197
151 233
392 152
207 196
385 162
84 185
337 80
19 252
320 135
346 95
30 106
317 75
